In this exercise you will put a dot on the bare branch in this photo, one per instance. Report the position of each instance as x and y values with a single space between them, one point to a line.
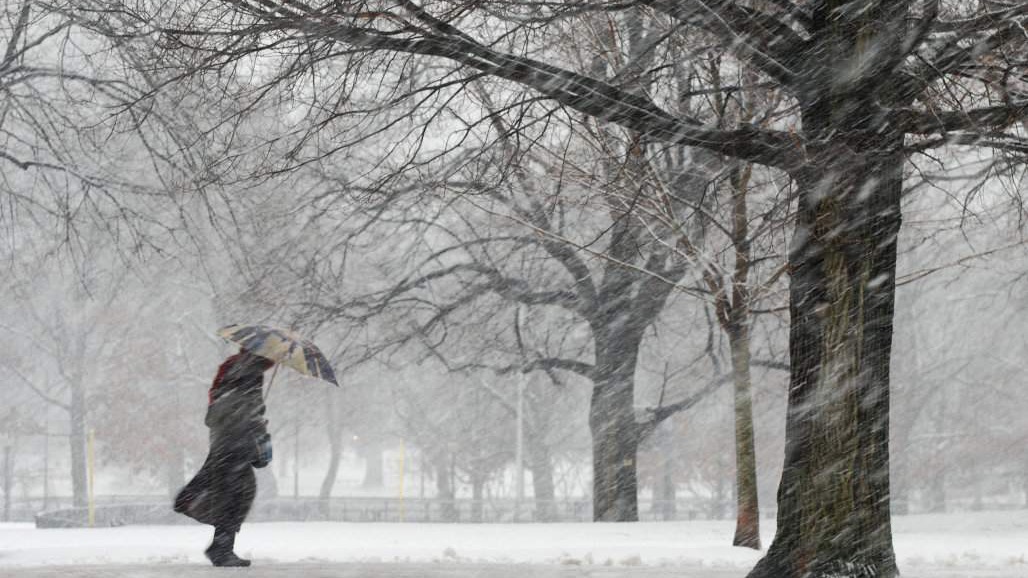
35 389
761 38
657 415
982 22
596 98
985 119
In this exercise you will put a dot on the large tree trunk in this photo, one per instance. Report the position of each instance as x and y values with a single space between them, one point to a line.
615 436
747 522
77 439
833 501
540 463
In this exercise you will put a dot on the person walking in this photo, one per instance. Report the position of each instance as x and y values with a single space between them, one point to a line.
223 491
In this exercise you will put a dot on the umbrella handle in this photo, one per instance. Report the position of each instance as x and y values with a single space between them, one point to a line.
267 390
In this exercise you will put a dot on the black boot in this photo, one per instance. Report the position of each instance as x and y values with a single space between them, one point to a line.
220 551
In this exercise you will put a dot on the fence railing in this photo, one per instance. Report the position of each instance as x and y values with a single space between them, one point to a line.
122 510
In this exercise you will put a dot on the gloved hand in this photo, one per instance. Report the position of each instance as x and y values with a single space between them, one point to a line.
263 451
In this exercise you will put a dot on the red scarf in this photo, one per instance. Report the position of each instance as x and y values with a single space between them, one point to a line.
222 370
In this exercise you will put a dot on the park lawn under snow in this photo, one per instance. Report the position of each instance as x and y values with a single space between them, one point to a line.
926 545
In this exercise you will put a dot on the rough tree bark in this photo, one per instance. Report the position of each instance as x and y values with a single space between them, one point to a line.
837 523
615 432
737 325
833 501
747 524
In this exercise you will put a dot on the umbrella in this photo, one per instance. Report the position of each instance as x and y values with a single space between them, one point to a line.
283 347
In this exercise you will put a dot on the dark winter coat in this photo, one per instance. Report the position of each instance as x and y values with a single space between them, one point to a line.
223 490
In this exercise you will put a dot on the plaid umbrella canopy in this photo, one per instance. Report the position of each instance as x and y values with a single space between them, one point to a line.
282 346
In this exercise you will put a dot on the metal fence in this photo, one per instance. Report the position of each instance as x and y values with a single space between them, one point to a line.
122 510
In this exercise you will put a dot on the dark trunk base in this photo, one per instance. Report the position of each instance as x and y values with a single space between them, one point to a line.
747 533
615 480
777 565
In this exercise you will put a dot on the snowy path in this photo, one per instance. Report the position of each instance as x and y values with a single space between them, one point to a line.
383 570
371 571
979 545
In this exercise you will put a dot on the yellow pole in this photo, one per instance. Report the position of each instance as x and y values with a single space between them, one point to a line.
90 464
403 509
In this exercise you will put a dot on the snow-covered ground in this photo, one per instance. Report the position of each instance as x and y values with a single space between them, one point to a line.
993 544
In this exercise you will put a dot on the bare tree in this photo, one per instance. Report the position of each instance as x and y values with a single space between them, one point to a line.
72 332
161 386
612 300
81 145
464 432
872 81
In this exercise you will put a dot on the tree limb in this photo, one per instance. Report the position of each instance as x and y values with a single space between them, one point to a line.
42 394
953 56
657 415
769 43
987 118
982 22
593 97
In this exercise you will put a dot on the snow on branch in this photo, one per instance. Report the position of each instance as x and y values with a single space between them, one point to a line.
760 37
961 50
418 33
988 21
984 119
